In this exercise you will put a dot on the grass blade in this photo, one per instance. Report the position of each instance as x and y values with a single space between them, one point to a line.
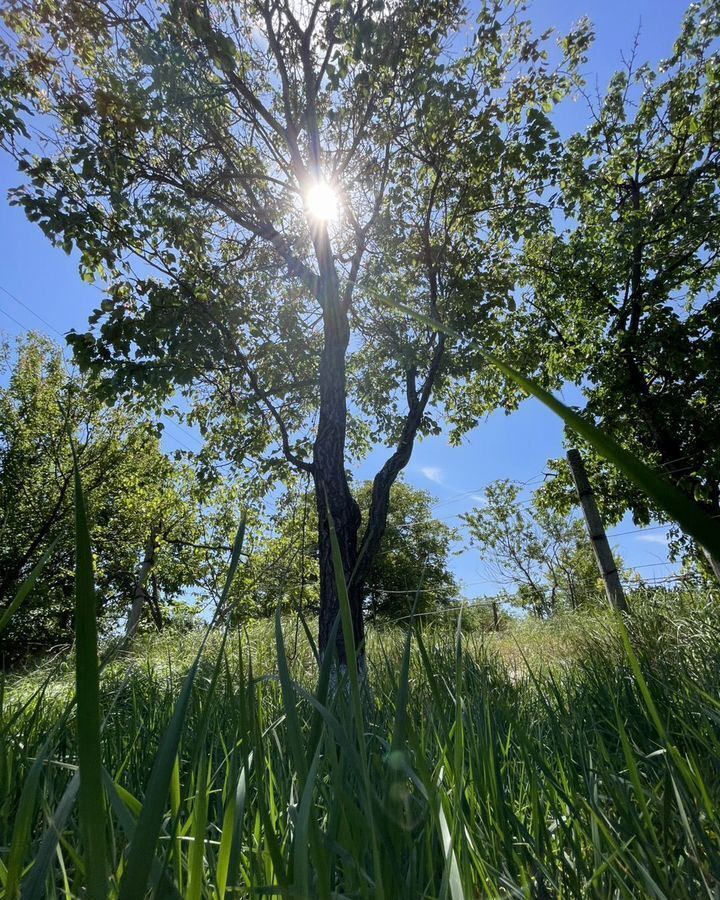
199 828
26 587
147 830
301 842
293 730
231 835
87 687
23 827
34 884
234 562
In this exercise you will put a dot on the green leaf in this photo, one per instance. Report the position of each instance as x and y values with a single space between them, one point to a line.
686 513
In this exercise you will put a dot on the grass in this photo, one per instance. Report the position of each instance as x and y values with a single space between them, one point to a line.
475 765
484 766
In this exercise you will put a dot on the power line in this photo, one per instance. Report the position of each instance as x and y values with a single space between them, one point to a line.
685 576
636 530
186 431
12 318
535 479
30 310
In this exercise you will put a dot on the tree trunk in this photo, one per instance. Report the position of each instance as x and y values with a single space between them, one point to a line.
154 599
713 562
332 492
333 496
140 594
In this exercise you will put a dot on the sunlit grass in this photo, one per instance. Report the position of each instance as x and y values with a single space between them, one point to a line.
487 776
582 761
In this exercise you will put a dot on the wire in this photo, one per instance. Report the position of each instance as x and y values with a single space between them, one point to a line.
636 530
535 479
30 310
12 318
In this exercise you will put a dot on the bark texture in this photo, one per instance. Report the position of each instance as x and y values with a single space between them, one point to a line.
140 594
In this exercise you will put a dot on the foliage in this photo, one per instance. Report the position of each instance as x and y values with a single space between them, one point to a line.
414 554
281 567
623 288
540 553
133 490
184 140
411 568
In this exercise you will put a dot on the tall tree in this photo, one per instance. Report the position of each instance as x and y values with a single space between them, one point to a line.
134 492
255 180
623 290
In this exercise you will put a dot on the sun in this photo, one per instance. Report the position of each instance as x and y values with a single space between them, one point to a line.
321 202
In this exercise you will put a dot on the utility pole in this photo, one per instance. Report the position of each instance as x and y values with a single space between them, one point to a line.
596 530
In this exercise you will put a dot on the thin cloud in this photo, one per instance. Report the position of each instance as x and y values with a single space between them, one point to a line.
433 473
653 539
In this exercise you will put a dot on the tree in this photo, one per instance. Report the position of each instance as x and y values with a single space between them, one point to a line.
281 567
254 181
136 495
412 559
544 555
180 530
624 290
411 566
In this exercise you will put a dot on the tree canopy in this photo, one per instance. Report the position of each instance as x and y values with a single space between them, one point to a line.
622 285
541 559
412 562
135 494
177 146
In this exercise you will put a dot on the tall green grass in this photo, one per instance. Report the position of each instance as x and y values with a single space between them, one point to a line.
596 775
230 765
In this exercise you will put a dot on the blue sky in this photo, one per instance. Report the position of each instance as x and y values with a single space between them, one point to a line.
41 289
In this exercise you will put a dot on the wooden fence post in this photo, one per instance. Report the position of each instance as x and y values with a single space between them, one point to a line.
596 530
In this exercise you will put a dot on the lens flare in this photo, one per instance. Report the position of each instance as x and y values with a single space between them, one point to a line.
321 202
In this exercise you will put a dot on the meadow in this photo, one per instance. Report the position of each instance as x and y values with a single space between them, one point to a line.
321 231
572 758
